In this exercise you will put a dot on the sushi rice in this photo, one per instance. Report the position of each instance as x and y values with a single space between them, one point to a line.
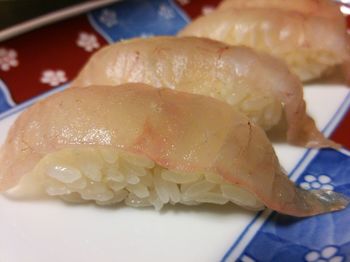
109 176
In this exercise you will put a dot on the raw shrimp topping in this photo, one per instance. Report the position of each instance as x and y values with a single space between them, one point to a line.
149 146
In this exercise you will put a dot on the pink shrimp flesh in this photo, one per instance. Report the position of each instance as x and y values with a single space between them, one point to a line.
167 127
254 83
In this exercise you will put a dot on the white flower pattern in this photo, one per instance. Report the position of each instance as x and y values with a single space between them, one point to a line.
320 182
8 59
108 18
166 12
87 41
327 254
53 77
146 35
207 9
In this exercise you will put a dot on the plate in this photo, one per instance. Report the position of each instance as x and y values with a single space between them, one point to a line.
43 60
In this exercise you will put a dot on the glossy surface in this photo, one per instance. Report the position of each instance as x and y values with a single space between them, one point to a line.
237 75
284 31
167 127
322 8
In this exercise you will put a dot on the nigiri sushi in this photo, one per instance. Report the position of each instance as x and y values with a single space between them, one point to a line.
147 146
257 85
310 36
322 8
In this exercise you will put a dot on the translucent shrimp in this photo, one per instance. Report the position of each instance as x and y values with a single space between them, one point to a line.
148 146
256 84
323 8
310 36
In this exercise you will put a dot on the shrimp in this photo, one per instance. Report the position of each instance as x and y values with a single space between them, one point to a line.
323 8
147 146
295 36
256 84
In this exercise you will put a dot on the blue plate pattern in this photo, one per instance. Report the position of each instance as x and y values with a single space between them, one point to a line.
320 238
6 101
274 237
138 18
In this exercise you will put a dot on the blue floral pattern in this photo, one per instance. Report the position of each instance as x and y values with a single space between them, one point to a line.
317 182
108 17
327 254
166 11
128 19
320 238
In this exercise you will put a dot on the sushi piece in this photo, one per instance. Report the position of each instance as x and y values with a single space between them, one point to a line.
293 31
322 8
147 146
256 84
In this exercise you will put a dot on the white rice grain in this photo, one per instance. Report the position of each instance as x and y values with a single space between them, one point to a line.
135 180
64 174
